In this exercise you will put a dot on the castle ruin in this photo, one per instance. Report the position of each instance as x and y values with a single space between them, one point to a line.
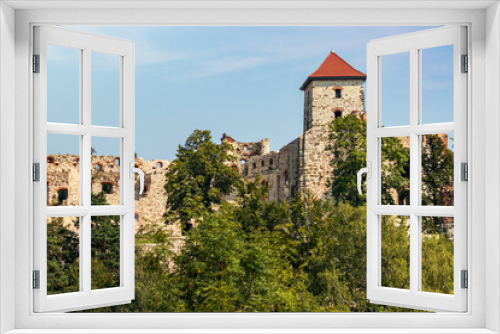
63 184
334 90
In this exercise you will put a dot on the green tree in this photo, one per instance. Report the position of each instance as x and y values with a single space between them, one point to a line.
437 170
348 146
226 268
347 142
395 173
62 257
105 247
199 177
437 177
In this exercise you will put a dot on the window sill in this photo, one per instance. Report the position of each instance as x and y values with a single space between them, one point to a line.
250 331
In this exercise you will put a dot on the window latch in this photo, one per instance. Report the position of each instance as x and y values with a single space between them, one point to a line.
368 171
134 170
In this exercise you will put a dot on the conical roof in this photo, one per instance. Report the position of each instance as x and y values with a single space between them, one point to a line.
334 68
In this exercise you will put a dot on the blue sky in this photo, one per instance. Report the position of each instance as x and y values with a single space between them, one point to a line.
243 81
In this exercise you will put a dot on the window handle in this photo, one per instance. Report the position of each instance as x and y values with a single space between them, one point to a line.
368 171
139 171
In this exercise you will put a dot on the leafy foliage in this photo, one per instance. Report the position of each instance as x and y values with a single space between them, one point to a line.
348 145
200 177
252 255
62 257
395 174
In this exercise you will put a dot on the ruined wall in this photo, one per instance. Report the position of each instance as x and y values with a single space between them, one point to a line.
303 165
243 151
63 184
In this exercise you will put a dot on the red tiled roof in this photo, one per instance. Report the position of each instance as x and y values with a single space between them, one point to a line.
334 67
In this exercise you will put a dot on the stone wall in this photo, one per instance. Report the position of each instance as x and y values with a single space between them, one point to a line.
63 184
303 165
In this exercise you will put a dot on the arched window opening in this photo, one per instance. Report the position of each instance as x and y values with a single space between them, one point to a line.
245 148
107 187
98 167
117 161
50 160
338 114
136 217
254 165
243 161
271 161
62 195
262 163
159 164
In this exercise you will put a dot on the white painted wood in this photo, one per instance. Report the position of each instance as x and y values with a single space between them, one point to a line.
471 322
86 297
413 43
7 167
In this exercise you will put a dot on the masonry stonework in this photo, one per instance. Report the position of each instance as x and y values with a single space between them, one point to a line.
63 184
303 166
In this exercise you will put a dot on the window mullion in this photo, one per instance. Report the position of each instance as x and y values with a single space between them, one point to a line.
414 169
86 175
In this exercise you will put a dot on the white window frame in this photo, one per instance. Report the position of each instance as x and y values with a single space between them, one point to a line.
484 103
86 44
413 44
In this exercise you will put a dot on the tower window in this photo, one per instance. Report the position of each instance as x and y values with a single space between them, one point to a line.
338 93
338 114
117 161
262 163
159 164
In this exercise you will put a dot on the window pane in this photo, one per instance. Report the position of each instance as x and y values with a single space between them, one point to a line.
437 254
437 84
437 170
106 168
63 84
105 89
395 89
63 170
105 264
63 255
395 170
395 243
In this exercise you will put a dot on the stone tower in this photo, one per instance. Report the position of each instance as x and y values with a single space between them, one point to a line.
334 90
302 166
